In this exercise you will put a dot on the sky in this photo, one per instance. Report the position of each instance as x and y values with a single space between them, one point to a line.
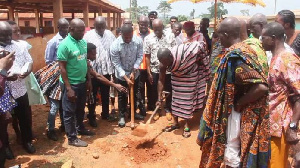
185 7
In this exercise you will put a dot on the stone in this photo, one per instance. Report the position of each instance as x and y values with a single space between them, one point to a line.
95 156
68 164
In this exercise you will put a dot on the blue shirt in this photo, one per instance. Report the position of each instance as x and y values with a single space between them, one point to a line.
126 56
51 49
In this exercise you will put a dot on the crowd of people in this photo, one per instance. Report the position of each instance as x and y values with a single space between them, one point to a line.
244 81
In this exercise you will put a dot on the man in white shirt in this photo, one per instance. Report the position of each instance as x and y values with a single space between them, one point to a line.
102 39
16 83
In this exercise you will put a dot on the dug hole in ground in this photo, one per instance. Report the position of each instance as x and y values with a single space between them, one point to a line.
110 147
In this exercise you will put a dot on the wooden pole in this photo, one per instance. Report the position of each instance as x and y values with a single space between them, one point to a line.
132 105
37 21
10 13
17 18
100 11
108 20
114 21
216 14
57 13
86 14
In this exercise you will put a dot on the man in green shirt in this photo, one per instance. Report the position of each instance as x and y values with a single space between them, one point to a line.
72 58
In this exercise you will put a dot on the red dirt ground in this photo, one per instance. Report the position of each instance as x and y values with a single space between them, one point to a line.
116 147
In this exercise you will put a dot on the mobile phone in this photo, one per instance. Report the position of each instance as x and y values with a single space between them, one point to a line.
3 53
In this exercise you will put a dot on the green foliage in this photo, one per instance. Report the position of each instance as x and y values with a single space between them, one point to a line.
220 11
182 18
137 11
164 8
245 12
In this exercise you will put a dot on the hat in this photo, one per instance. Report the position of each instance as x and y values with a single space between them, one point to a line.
189 24
152 13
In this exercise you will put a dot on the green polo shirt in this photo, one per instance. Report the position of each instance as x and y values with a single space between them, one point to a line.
74 52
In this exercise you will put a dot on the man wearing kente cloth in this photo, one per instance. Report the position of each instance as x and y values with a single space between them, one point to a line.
234 129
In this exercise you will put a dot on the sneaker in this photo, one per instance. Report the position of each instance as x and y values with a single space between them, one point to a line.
52 135
93 123
121 122
78 143
86 132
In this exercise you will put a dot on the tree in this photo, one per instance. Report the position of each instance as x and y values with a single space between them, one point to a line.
164 8
136 11
143 10
220 11
182 18
192 14
245 12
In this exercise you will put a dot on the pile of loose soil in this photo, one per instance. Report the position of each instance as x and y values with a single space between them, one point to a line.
144 151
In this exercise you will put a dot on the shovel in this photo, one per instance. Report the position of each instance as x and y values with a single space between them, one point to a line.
142 129
132 106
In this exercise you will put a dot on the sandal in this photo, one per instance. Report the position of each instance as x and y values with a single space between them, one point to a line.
186 132
171 128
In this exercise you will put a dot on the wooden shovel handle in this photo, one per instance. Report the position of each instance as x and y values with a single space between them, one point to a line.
132 105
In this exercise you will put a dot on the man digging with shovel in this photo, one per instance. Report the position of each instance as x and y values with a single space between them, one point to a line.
127 54
183 63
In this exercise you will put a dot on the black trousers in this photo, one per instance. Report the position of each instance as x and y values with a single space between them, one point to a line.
123 97
104 91
167 87
3 139
24 115
143 79
74 111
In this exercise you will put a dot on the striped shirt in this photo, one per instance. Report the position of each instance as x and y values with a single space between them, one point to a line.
102 64
187 96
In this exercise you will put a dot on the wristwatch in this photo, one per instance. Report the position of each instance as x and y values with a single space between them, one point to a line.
3 72
293 125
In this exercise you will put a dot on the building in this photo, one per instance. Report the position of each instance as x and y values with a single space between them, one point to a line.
40 16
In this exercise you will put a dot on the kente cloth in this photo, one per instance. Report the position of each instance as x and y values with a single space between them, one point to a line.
239 69
186 94
48 79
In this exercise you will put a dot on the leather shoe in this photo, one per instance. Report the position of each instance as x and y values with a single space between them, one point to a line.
29 148
86 132
143 111
138 116
78 143
52 135
93 123
9 154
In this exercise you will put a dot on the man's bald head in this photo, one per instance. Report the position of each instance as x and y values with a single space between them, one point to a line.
100 20
144 19
257 22
229 31
176 28
128 21
63 27
77 28
272 36
164 56
100 25
275 30
5 33
143 24
158 27
157 22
